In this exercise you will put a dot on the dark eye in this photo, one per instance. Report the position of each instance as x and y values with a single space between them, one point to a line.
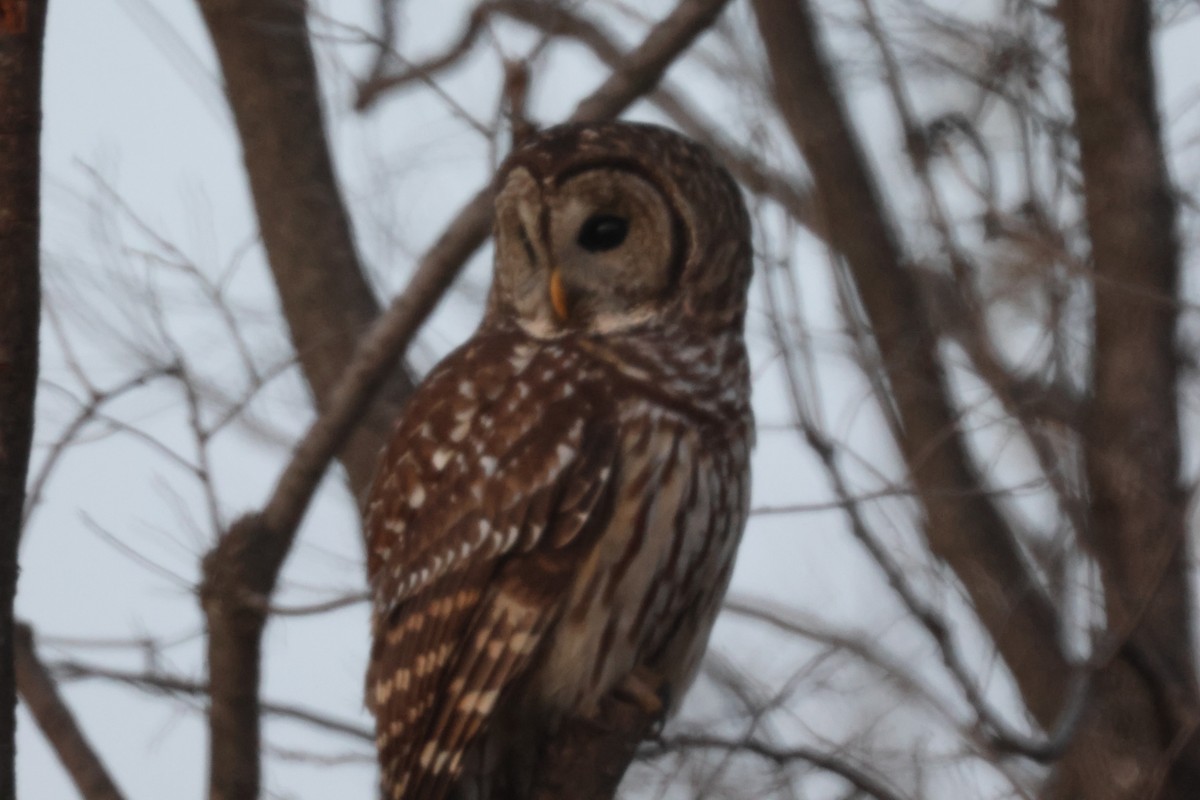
602 232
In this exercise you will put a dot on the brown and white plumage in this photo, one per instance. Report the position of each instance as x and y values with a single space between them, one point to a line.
561 500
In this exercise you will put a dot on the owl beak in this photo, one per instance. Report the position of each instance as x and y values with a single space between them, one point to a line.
558 295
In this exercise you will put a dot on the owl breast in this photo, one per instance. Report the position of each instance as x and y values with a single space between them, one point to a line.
648 593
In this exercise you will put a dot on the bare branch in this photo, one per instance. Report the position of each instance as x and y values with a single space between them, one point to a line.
967 531
160 683
857 775
1001 735
271 84
560 21
379 81
790 622
87 412
58 725
336 604
961 293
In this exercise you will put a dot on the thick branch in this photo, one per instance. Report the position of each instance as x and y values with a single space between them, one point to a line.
1133 433
272 87
57 723
241 572
964 527
1148 716
22 25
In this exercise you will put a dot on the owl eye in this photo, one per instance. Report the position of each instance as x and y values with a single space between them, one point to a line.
601 232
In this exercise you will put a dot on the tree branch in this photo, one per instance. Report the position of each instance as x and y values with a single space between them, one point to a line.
961 293
58 725
1133 434
271 83
160 683
561 22
857 775
1138 508
963 527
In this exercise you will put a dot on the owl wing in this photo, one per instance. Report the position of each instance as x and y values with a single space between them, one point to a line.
467 582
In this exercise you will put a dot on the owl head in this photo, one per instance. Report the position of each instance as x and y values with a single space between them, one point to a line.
610 227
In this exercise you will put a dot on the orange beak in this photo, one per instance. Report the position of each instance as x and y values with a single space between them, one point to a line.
558 296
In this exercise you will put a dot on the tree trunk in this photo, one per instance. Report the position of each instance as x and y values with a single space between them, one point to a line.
41 697
1138 739
22 25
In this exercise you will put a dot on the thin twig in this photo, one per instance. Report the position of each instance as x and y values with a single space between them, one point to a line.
325 607
161 683
857 775
561 22
88 411
790 621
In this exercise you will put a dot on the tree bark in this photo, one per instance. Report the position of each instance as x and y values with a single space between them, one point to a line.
22 26
963 526
238 580
271 82
1139 739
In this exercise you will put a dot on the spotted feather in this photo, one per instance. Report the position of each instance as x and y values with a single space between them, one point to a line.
533 487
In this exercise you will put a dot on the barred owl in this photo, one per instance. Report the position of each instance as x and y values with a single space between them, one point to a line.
556 514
